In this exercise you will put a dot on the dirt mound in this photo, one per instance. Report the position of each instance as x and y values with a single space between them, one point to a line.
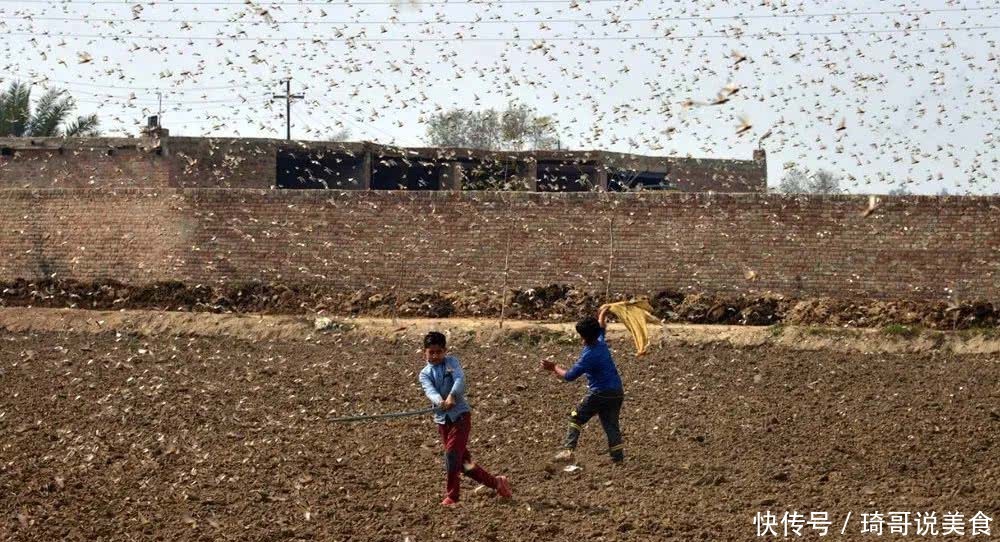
554 302
720 309
551 302
476 303
429 304
933 315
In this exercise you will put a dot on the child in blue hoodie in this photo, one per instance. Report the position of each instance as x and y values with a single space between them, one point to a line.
605 392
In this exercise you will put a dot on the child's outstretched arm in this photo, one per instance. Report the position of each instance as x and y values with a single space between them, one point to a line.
558 370
602 317
564 374
429 391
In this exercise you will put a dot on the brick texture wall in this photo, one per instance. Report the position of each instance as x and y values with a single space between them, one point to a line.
908 247
123 163
196 162
704 175
83 168
157 161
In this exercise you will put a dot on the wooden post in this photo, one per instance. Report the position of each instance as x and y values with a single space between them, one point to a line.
506 267
366 168
611 255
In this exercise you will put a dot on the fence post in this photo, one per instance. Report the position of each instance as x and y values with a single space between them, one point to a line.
611 255
506 264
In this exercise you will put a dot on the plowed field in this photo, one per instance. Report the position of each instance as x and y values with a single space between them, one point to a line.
123 437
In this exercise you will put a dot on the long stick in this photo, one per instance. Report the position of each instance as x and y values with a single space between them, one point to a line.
366 417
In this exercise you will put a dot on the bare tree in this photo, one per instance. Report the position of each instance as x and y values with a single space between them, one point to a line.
799 181
342 134
794 181
824 182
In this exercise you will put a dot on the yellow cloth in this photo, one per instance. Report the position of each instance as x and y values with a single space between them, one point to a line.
634 315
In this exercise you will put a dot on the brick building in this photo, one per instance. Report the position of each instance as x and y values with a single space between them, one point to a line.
156 160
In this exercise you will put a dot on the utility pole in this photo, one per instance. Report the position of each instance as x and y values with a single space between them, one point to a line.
288 97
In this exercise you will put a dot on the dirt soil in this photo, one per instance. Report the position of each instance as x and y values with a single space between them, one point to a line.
266 327
553 302
120 436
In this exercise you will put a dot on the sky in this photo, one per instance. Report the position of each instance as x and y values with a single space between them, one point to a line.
886 95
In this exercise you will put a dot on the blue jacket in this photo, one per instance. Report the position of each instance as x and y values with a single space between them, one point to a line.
595 362
441 380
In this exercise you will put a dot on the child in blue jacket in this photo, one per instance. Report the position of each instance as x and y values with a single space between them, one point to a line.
444 384
605 392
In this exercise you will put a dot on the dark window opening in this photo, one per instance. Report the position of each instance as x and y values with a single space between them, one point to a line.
563 177
493 175
318 169
399 174
6 151
625 181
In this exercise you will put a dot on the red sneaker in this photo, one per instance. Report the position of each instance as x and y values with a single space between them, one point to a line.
448 502
503 487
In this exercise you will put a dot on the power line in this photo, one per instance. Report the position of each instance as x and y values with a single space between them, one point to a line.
176 106
163 89
147 101
316 125
316 3
347 117
845 14
48 82
190 103
318 39
150 101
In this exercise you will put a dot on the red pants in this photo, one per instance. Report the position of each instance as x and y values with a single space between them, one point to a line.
457 459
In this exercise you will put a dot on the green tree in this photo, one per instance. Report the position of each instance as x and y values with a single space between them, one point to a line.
518 127
51 116
521 127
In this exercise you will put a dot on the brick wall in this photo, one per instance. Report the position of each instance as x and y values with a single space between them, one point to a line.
99 167
197 162
704 175
918 247
156 160
124 163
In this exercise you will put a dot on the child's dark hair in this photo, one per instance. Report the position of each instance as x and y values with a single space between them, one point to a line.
435 338
589 328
